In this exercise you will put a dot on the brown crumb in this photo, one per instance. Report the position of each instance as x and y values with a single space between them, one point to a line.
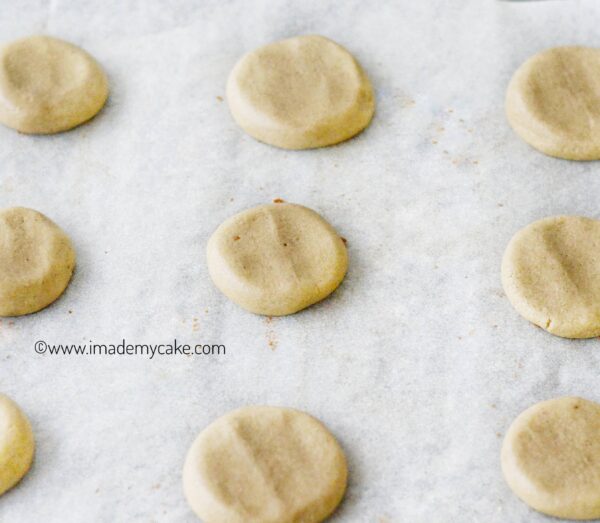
344 240
220 98
475 162
285 244
70 312
434 142
278 200
271 336
236 238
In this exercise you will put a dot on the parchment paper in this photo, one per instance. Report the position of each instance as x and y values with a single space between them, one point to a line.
418 363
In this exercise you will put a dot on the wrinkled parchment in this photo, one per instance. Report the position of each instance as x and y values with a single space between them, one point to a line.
417 363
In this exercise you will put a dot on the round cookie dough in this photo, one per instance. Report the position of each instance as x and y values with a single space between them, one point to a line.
48 85
300 93
550 458
16 444
553 102
551 275
264 465
36 261
276 259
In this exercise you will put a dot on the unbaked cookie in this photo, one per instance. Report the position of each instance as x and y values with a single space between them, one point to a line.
48 85
276 259
553 102
300 93
36 261
550 458
264 465
16 444
551 275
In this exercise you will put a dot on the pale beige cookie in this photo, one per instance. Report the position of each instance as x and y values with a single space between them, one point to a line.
553 102
551 275
264 465
48 85
550 458
16 444
276 259
36 261
300 93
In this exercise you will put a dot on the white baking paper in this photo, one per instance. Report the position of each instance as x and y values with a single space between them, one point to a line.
418 363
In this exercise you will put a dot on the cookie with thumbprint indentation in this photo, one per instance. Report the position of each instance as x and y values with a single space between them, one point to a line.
553 102
48 85
265 465
550 457
36 261
276 259
551 275
300 93
16 444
